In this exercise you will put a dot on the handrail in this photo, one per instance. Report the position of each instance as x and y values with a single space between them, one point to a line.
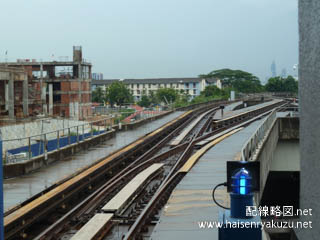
60 130
256 138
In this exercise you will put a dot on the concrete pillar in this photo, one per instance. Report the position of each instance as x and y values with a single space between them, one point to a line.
50 99
80 83
309 101
43 97
43 91
76 111
6 96
71 109
25 97
11 96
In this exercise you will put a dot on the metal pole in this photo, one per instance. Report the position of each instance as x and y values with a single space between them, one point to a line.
77 134
29 145
45 147
83 132
58 140
1 190
69 140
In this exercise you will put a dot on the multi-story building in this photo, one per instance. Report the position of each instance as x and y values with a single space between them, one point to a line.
97 76
140 87
58 88
14 99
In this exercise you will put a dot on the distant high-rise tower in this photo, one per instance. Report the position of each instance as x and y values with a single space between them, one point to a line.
284 73
273 69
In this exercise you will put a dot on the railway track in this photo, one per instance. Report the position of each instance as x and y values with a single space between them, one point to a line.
69 206
41 213
139 212
155 204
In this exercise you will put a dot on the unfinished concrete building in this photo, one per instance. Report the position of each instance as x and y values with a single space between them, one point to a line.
58 88
14 97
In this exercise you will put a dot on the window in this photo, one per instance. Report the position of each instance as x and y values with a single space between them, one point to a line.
177 85
187 85
171 85
194 91
137 85
143 91
149 85
131 85
138 91
194 85
143 86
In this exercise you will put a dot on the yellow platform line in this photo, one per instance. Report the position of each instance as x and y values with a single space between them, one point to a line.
195 157
64 186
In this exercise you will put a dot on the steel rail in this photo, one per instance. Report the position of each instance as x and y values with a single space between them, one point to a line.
152 151
138 224
147 211
88 205
20 229
93 200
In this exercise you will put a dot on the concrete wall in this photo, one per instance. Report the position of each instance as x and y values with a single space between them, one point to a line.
265 157
289 128
286 156
309 89
18 169
33 128
282 129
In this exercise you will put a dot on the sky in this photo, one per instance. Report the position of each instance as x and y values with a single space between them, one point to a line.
155 38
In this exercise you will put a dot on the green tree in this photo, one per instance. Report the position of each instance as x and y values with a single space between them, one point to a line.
98 95
145 101
118 93
153 97
167 95
240 80
211 91
279 84
182 99
291 85
275 84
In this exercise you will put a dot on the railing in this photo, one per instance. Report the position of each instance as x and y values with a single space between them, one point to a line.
122 115
253 142
41 144
257 137
294 111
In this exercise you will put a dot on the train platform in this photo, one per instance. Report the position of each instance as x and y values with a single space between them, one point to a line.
227 110
19 189
190 204
229 113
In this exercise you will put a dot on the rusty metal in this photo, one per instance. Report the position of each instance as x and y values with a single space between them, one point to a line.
153 205
92 202
168 185
34 211
114 171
